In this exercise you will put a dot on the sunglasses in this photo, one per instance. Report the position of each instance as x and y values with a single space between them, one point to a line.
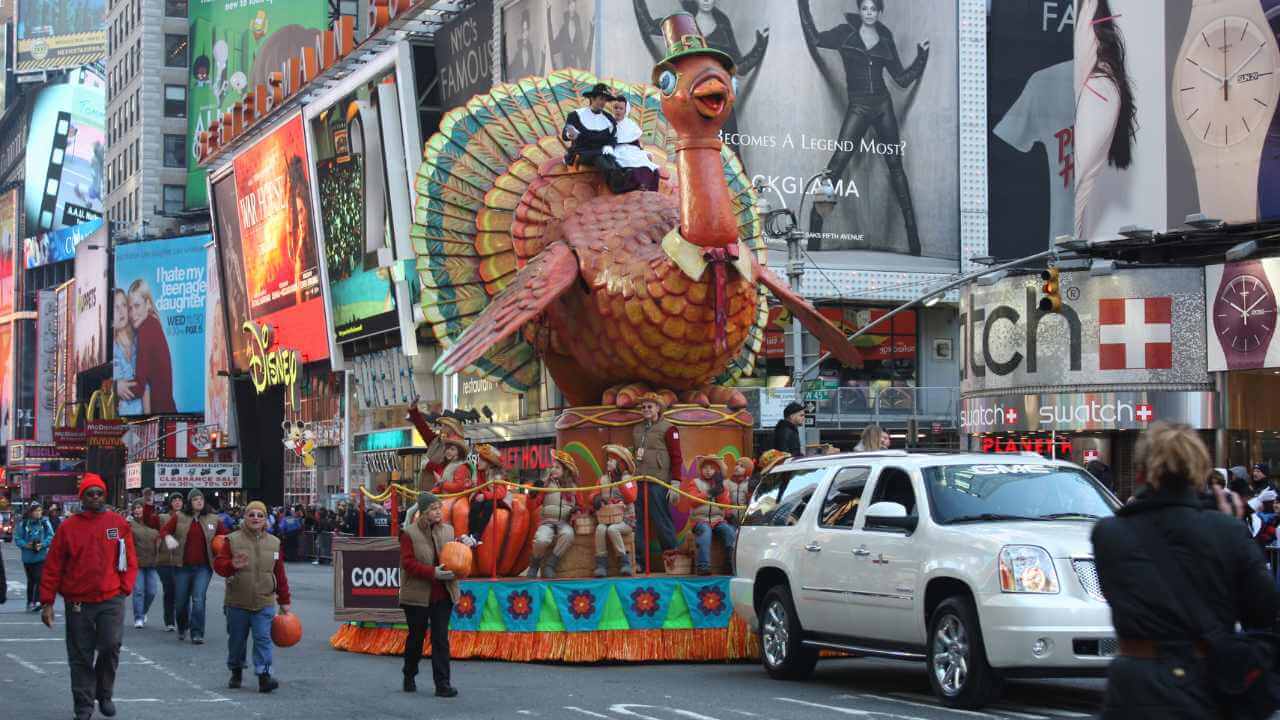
93 493
255 514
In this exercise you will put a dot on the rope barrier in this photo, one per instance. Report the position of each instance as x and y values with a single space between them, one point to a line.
412 494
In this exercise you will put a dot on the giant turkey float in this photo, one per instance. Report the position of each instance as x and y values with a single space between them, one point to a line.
526 261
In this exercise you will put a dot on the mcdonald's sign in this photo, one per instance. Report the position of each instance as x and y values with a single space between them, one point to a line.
104 429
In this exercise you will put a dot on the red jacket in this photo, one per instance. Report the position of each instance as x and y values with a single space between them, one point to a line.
154 368
223 566
411 565
83 562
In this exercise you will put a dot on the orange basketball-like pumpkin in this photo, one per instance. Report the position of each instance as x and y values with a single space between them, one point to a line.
457 558
286 630
218 543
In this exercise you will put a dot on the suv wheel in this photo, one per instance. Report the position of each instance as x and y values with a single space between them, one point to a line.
781 648
958 669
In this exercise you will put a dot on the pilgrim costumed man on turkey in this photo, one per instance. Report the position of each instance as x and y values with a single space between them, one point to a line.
616 294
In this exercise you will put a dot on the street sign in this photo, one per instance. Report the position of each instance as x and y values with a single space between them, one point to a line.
810 407
821 384
810 420
812 396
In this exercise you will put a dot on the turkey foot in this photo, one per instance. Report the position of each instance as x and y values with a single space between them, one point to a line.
628 396
715 395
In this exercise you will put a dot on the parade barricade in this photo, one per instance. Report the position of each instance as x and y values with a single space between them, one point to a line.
317 545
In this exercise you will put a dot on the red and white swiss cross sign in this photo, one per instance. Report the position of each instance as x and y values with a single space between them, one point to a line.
1135 333
1010 416
1144 413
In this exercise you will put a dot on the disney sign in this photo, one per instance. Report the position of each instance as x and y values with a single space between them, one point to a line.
271 368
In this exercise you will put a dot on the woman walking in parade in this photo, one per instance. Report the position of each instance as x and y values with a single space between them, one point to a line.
33 537
256 583
191 532
146 544
168 561
428 591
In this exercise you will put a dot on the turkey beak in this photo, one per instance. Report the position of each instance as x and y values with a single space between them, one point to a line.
710 97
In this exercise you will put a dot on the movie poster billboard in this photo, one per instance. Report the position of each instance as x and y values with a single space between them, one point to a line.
886 131
66 147
217 386
6 382
10 265
1030 115
280 269
355 212
66 349
90 310
464 54
48 341
235 304
236 45
541 35
1186 123
56 34
157 356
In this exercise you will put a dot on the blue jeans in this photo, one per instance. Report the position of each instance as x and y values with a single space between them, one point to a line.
144 591
702 534
239 623
190 585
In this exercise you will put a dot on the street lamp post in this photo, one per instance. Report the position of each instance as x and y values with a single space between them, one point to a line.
783 224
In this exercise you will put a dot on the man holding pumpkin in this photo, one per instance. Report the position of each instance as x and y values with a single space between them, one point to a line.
555 511
251 561
428 590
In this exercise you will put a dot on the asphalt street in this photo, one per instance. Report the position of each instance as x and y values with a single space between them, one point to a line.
162 679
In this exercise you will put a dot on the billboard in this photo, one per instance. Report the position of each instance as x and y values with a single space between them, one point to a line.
351 180
90 309
540 35
464 54
10 263
1176 113
66 372
1030 116
51 247
158 325
888 136
235 304
55 34
280 269
1241 315
235 45
7 376
66 146
217 386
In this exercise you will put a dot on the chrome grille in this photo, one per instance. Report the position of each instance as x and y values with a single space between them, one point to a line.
1108 647
1087 572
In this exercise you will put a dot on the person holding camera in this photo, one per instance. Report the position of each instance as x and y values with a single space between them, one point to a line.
33 537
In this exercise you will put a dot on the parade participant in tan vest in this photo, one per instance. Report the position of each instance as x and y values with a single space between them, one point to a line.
428 591
707 518
254 568
167 561
657 453
619 465
146 543
554 512
739 487
192 531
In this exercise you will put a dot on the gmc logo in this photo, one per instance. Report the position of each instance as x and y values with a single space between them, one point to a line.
978 317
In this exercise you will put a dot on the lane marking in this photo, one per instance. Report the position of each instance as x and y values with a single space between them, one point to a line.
172 700
626 709
526 712
30 666
588 713
848 711
743 713
210 695
897 697
29 640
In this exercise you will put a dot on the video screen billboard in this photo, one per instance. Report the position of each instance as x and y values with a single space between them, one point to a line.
6 382
51 247
158 312
66 147
10 249
888 130
280 269
55 34
1030 116
355 212
235 45
90 310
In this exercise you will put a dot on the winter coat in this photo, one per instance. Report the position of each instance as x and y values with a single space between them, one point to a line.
1222 563
28 534
85 562
786 437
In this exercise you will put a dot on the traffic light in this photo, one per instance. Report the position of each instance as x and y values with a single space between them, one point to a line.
1052 298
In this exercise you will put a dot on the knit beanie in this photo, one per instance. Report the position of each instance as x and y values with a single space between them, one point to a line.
256 505
92 480
193 494
426 500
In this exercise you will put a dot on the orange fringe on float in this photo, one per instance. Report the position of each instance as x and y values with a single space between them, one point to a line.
735 643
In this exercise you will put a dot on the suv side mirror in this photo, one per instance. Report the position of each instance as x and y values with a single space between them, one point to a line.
891 515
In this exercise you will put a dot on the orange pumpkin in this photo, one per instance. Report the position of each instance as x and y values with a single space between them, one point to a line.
459 512
491 544
286 630
456 557
218 543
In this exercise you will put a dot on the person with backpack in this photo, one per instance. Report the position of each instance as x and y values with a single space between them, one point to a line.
33 536
1178 579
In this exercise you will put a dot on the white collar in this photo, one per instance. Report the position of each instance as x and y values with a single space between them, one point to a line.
593 120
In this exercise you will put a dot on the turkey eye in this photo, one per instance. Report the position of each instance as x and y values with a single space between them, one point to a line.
667 82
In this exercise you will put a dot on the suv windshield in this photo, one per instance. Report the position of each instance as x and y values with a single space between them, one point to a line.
971 493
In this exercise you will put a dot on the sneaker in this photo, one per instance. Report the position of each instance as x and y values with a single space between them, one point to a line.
169 628
197 640
138 623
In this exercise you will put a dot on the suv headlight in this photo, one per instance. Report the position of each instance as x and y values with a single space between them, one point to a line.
1027 569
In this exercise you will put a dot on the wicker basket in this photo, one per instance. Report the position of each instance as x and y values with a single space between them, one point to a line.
677 563
610 514
584 525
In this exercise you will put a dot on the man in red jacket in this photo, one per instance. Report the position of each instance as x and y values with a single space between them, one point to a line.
93 566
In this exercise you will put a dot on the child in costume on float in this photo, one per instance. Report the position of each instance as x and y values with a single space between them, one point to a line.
554 512
619 465
739 487
707 519
488 467
446 445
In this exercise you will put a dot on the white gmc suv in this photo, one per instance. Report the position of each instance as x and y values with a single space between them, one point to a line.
978 565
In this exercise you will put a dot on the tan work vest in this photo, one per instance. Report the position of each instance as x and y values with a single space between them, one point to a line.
703 512
208 525
145 543
558 507
164 556
653 442
416 590
253 587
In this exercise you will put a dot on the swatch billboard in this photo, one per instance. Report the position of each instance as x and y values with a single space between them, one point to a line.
351 179
158 322
279 267
235 45
55 34
66 148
